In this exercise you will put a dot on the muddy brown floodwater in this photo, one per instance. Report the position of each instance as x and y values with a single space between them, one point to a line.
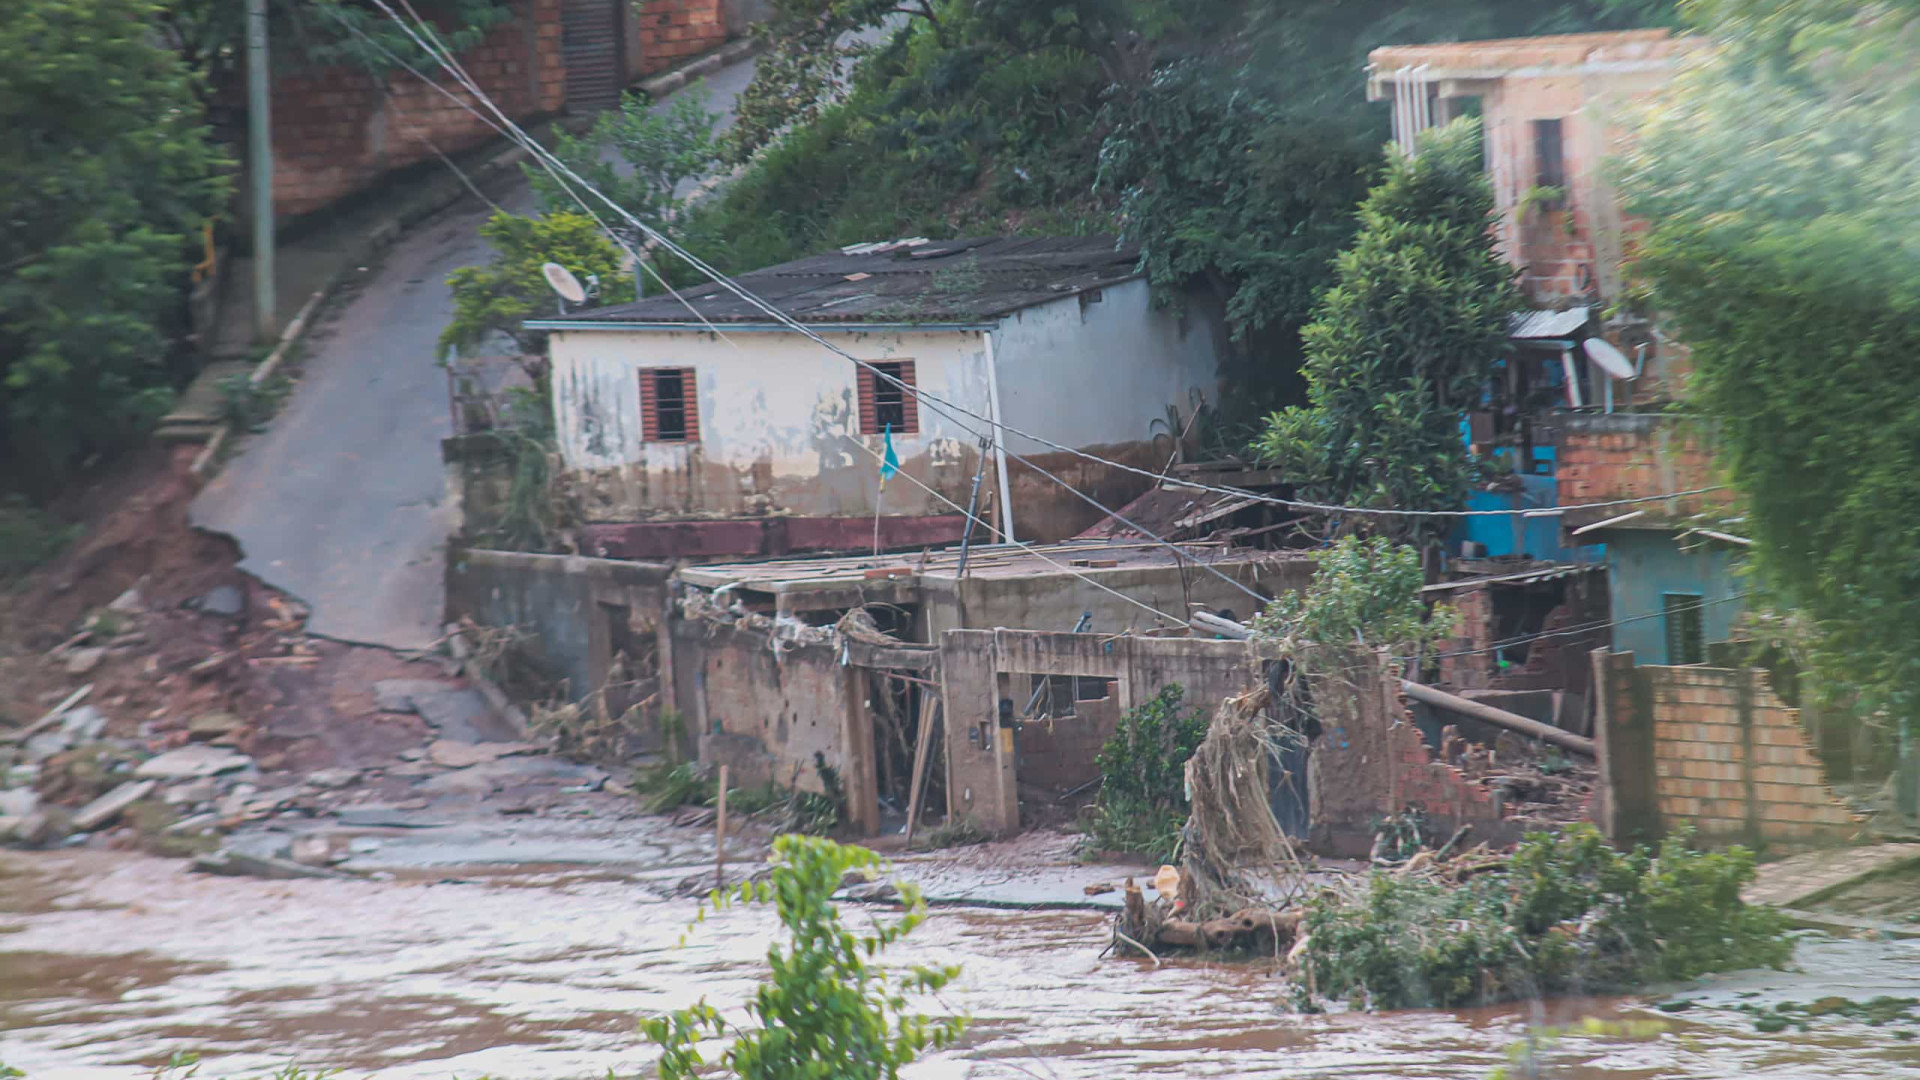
109 963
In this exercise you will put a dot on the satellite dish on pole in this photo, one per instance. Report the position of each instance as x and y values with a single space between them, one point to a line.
563 282
1607 358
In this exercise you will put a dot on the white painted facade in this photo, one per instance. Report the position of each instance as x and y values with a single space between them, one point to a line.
778 413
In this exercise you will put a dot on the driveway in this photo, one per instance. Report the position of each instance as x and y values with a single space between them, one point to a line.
342 502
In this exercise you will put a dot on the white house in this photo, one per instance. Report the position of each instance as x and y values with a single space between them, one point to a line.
696 425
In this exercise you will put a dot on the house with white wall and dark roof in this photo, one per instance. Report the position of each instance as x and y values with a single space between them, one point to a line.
697 425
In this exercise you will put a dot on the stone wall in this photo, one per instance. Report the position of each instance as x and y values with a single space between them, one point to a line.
1713 749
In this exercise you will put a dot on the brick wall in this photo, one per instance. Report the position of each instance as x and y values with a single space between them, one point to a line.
1630 455
337 130
1714 749
1371 761
668 32
1059 754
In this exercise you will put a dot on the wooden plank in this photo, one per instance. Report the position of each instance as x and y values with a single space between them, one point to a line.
923 742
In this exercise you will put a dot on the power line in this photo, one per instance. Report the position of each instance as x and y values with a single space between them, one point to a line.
1576 631
549 161
942 405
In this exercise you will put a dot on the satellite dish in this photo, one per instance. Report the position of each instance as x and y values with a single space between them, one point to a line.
1607 358
563 282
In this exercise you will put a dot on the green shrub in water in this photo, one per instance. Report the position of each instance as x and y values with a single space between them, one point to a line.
826 1010
1143 796
1569 913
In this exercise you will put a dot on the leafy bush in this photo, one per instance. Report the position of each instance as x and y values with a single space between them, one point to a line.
491 302
655 150
107 184
1364 593
1143 801
1570 913
826 1010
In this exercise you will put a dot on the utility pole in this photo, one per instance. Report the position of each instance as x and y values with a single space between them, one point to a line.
260 169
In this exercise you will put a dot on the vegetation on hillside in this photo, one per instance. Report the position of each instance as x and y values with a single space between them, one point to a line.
107 184
1403 342
1784 197
1232 140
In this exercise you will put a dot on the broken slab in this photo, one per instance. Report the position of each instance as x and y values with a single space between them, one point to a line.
213 725
82 661
84 724
400 816
19 802
104 809
333 779
460 755
191 762
397 695
240 864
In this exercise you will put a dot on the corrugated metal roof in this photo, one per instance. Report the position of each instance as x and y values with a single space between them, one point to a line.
1532 325
940 281
1529 577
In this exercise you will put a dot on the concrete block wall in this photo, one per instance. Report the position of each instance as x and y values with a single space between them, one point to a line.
1060 754
1713 749
337 130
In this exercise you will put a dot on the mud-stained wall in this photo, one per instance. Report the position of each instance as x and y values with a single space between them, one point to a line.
566 606
778 420
761 714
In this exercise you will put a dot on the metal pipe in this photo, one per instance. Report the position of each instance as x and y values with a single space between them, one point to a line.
1440 699
973 508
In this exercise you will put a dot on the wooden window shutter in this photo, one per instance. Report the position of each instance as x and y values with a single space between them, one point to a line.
909 400
865 381
649 409
690 396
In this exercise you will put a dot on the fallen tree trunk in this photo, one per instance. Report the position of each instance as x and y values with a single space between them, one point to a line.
1547 733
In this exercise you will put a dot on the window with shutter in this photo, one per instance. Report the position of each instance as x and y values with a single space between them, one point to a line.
1686 629
887 398
669 406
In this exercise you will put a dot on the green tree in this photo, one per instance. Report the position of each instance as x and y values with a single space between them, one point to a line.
107 183
1403 343
1783 196
1364 594
492 302
654 152
826 1010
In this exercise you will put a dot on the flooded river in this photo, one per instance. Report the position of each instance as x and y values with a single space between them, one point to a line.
110 963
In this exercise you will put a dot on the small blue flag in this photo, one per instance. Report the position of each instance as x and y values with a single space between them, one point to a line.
890 461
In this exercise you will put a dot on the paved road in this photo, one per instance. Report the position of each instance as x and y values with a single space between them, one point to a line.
342 501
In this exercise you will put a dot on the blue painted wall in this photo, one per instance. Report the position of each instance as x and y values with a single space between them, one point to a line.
1645 564
1537 538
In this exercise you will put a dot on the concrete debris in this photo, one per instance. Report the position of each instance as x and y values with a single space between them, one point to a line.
331 779
103 810
458 755
873 892
191 762
390 817
82 661
235 804
269 801
21 775
225 601
197 823
318 849
240 864
128 603
84 724
191 793
412 753
9 825
213 725
46 744
38 829
19 802
397 695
